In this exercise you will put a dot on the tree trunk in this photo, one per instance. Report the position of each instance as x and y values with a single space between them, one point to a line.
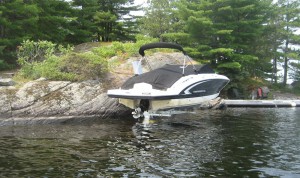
285 69
1 31
286 50
274 77
98 37
285 66
275 69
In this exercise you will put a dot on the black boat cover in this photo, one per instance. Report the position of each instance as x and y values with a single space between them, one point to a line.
164 77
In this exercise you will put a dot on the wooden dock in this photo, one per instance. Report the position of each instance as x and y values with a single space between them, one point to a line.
262 103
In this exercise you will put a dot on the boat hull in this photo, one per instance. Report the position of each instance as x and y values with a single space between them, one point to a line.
166 104
188 91
186 87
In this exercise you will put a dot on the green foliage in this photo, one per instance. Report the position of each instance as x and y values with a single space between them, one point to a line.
105 22
63 22
295 66
221 51
193 52
104 51
285 89
238 38
82 26
156 22
133 48
230 65
142 39
54 19
100 20
180 38
296 89
31 51
71 67
18 21
229 34
283 24
94 66
4 65
123 50
47 68
45 59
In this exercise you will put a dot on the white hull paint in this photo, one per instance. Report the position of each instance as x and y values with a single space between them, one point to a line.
170 103
184 102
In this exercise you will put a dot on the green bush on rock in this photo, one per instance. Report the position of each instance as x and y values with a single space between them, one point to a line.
3 65
46 59
83 66
55 62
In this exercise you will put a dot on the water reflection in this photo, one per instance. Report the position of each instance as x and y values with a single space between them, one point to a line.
231 143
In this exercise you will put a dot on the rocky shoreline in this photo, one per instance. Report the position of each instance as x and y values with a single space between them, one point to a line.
58 99
43 101
285 96
40 100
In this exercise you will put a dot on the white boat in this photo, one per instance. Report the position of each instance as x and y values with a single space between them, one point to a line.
168 87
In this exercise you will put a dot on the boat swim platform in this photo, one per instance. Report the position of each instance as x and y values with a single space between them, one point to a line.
261 103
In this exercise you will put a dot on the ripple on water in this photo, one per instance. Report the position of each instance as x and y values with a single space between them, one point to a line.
236 142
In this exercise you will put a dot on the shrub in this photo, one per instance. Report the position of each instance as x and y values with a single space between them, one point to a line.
118 47
104 51
4 65
94 66
50 69
31 51
123 50
71 67
46 59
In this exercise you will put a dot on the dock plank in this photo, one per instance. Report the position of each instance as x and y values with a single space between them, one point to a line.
262 103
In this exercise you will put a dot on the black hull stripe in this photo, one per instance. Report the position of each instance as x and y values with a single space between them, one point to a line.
160 97
210 86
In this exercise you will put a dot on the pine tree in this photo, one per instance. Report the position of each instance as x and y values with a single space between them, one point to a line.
18 21
275 38
229 34
54 20
111 22
289 19
106 22
83 27
157 19
103 20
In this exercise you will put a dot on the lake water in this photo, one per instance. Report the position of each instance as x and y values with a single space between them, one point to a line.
229 143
